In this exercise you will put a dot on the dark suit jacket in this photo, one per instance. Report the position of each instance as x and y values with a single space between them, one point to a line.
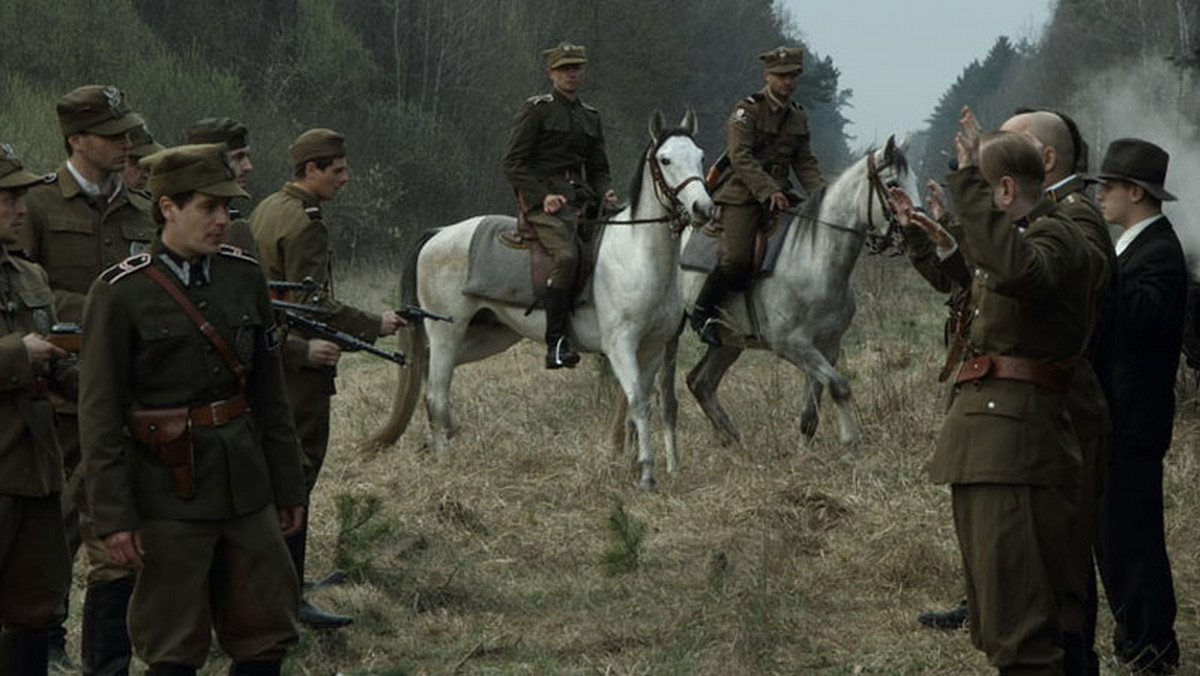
1138 338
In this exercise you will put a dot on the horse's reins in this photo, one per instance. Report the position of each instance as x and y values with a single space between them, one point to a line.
667 196
876 186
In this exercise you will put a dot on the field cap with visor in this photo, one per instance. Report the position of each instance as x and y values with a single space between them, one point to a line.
783 60
219 130
564 54
202 168
317 144
12 175
96 109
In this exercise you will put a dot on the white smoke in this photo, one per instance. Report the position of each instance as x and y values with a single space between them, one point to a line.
1155 101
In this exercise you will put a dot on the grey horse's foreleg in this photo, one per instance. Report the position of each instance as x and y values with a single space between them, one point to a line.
669 402
703 381
821 373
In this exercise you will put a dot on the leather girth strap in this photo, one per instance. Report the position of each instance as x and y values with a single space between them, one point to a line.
206 328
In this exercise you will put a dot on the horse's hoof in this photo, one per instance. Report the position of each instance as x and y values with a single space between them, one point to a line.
648 484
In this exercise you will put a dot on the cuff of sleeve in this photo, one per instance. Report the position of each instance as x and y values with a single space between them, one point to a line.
15 369
943 254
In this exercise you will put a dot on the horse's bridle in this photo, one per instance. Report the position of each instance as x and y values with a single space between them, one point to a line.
667 196
878 243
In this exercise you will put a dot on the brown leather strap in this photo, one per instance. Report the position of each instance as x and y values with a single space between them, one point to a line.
206 328
1055 378
217 412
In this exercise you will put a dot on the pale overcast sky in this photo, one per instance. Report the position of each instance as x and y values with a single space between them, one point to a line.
900 56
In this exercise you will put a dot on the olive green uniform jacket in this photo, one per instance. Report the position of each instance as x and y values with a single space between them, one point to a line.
1030 298
75 237
765 139
30 459
556 147
140 349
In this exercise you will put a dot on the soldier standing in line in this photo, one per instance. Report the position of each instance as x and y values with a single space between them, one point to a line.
557 164
292 240
193 468
83 220
235 137
134 175
35 567
1007 448
766 138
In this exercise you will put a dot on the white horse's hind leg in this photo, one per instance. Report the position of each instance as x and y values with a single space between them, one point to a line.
808 358
629 372
443 355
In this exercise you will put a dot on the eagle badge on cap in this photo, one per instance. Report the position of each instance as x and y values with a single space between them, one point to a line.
781 53
6 151
113 96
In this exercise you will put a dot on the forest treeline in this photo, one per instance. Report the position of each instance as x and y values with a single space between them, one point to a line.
424 90
1139 55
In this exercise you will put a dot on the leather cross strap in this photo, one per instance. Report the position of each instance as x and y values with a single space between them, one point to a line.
206 328
1055 378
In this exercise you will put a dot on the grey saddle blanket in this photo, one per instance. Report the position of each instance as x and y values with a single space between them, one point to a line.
703 249
501 273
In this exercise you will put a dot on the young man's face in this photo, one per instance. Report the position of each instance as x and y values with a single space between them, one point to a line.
326 183
133 175
782 85
1116 201
567 79
105 154
198 227
242 167
12 215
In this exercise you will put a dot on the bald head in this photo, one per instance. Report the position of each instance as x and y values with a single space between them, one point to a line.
1058 152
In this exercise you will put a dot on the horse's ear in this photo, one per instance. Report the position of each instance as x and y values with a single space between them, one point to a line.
902 145
689 122
656 126
890 148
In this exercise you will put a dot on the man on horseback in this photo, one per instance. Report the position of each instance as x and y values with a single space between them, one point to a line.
557 164
766 137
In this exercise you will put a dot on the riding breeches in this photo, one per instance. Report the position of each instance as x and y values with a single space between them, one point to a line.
557 233
739 224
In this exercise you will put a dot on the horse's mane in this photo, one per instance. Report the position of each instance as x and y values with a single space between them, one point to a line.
635 186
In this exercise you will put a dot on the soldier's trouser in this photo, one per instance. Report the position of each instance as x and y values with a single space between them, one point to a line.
35 568
1079 613
309 394
1011 541
739 225
1133 556
558 234
232 576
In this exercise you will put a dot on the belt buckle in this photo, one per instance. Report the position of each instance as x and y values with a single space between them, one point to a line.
215 412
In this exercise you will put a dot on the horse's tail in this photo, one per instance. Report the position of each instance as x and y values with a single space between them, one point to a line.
413 343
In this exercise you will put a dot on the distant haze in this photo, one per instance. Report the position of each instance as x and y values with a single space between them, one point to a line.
899 57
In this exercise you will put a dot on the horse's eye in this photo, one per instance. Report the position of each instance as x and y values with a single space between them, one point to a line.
666 161
893 183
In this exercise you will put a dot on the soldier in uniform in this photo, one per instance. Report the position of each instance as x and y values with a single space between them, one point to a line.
83 220
134 175
1007 447
766 139
557 164
35 567
292 239
194 473
235 137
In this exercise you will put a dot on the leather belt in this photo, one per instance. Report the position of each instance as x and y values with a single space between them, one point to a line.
1055 378
217 412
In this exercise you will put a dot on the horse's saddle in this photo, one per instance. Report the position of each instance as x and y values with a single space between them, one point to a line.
507 263
703 250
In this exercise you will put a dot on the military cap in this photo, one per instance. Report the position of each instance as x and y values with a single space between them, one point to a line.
12 175
783 60
96 109
143 143
203 168
1138 162
317 144
564 54
218 130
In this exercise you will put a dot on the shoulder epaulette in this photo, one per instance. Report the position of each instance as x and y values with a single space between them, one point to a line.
540 98
234 252
755 97
587 106
313 212
1071 199
234 214
140 193
125 267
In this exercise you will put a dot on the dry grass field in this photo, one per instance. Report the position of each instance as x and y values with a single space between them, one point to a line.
769 558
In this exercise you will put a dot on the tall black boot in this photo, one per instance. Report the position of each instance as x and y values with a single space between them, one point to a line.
23 652
704 315
254 669
106 650
310 615
559 352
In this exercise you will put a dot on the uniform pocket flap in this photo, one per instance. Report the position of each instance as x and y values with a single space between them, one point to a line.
74 225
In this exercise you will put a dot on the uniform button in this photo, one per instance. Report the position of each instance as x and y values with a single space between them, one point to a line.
108 241
991 405
976 312
202 304
245 318
164 330
978 272
16 380
216 369
208 349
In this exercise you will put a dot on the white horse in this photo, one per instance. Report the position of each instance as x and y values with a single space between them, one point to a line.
801 310
637 308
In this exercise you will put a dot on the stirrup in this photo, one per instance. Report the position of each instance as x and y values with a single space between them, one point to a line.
561 355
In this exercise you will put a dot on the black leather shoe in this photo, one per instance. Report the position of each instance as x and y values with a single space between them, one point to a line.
560 354
949 620
316 618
